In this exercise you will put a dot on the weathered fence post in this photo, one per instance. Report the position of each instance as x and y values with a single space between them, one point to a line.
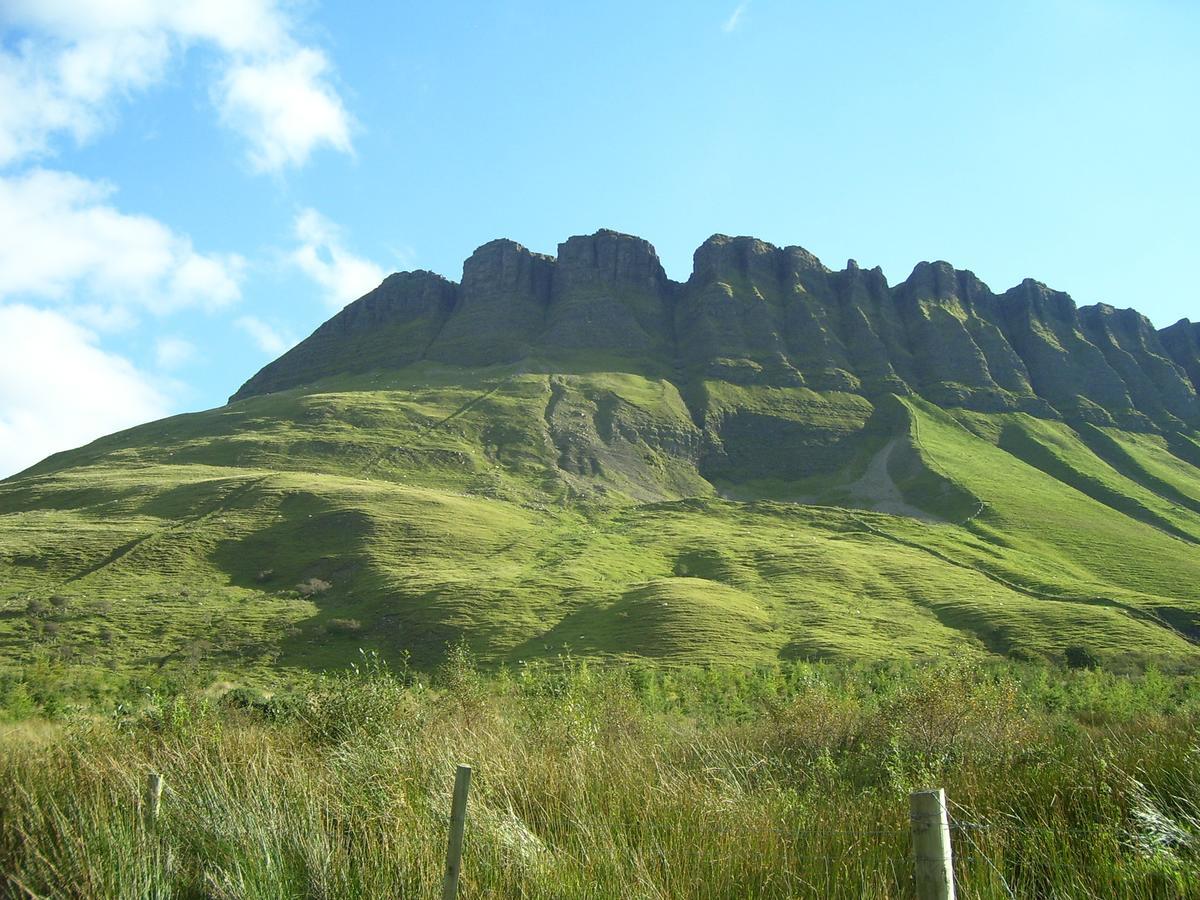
458 820
931 845
154 788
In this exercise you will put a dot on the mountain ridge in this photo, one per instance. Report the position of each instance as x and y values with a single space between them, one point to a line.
771 460
754 313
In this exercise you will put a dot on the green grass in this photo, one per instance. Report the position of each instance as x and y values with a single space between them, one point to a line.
594 782
532 513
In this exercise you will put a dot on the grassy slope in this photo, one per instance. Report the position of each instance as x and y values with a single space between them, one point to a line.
769 783
534 513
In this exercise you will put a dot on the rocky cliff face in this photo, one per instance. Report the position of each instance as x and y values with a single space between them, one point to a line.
753 313
392 326
1182 343
610 294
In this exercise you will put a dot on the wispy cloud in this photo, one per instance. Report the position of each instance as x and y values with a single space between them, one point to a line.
172 352
735 18
77 58
269 340
323 257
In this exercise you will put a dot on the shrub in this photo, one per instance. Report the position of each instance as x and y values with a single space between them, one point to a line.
312 587
952 711
460 676
817 720
245 698
1079 657
366 701
343 626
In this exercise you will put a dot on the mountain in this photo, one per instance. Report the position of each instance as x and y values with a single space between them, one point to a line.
769 460
759 315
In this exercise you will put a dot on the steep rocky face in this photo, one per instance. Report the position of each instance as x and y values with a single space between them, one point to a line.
873 333
1157 386
756 314
813 329
609 293
960 357
501 306
1182 343
390 327
1065 369
729 320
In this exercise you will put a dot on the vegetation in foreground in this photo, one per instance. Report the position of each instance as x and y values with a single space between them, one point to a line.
611 782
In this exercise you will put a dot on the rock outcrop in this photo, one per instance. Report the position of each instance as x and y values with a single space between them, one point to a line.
500 307
392 326
1182 343
754 313
610 294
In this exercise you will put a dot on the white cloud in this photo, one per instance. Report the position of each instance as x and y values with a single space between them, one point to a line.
172 352
59 390
76 58
49 87
735 18
64 239
323 258
264 336
284 109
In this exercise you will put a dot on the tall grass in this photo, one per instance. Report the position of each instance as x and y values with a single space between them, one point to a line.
617 783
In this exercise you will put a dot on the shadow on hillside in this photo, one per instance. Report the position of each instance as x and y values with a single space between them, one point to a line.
1109 450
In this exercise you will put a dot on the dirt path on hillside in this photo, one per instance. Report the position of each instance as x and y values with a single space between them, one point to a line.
876 490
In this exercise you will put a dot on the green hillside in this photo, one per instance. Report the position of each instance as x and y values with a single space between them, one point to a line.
601 513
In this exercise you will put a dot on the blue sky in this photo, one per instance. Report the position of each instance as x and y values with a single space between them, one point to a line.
186 189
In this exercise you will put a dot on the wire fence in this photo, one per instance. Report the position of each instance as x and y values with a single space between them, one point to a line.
952 838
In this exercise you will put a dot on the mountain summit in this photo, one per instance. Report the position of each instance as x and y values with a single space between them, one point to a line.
756 314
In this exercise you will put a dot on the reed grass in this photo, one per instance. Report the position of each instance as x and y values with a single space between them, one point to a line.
616 782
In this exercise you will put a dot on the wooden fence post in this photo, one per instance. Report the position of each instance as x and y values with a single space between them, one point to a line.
931 845
154 788
458 820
